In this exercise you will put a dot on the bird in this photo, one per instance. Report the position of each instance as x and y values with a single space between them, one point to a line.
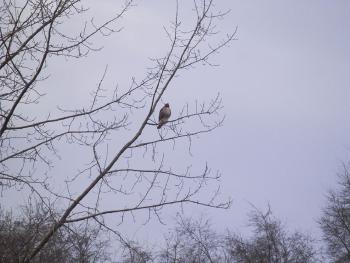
164 115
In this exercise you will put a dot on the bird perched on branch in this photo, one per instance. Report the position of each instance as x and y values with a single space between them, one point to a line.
164 115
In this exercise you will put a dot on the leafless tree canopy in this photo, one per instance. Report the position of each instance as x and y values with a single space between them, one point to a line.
79 243
193 241
335 221
271 243
196 242
134 253
32 33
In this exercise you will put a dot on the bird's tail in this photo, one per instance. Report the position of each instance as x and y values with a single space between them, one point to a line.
161 123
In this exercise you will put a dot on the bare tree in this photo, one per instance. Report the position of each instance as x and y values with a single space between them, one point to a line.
335 221
82 243
134 253
270 243
32 32
196 241
193 242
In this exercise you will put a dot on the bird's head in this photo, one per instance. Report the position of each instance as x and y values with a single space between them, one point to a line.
166 105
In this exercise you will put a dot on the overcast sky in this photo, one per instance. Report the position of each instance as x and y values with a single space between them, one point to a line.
285 88
285 84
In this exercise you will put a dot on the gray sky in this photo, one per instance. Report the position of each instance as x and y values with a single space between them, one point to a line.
285 85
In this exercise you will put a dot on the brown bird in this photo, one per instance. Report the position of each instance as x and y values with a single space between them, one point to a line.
164 115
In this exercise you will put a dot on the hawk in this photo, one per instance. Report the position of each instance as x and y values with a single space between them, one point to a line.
164 115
